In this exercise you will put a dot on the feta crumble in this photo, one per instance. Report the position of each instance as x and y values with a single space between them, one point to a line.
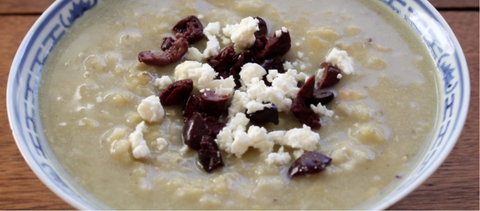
321 110
162 82
150 109
301 138
213 46
243 34
341 59
278 158
250 71
194 54
139 145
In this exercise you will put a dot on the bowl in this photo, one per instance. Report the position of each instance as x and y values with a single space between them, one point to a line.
26 68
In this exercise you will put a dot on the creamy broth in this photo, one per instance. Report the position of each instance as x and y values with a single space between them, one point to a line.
92 84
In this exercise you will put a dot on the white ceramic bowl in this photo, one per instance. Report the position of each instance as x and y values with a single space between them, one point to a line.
24 120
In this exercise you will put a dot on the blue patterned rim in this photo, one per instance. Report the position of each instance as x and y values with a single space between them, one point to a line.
49 28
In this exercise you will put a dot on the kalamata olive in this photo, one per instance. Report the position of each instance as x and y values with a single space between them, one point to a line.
191 28
209 156
176 93
222 62
309 163
259 45
301 110
214 126
274 63
263 116
262 26
305 115
192 105
172 54
276 46
193 130
322 97
213 104
330 75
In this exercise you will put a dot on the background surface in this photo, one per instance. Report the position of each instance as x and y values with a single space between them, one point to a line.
454 186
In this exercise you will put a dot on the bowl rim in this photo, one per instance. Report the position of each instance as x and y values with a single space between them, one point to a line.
14 125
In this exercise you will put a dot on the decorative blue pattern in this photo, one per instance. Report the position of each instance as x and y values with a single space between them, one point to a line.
25 73
22 90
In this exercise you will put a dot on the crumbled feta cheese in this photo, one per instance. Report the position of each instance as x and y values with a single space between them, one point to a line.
341 59
224 139
321 110
284 29
250 71
238 104
243 35
301 138
194 54
301 77
277 136
150 109
258 137
222 86
238 122
162 82
229 29
253 106
278 158
226 40
213 46
161 144
139 145
339 76
241 142
272 74
286 81
201 74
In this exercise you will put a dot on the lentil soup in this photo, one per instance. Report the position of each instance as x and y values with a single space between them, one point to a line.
92 85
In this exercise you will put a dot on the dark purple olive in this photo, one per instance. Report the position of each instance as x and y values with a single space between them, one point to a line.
214 126
209 156
222 62
258 45
330 75
213 104
172 54
264 116
301 110
191 28
192 105
176 93
307 89
322 97
275 63
276 46
193 130
262 26
309 163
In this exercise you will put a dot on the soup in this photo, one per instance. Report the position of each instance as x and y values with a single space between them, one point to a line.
92 85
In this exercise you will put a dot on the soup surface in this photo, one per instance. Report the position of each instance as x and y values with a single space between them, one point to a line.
92 84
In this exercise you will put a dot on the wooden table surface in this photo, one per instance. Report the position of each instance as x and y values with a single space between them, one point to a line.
454 186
